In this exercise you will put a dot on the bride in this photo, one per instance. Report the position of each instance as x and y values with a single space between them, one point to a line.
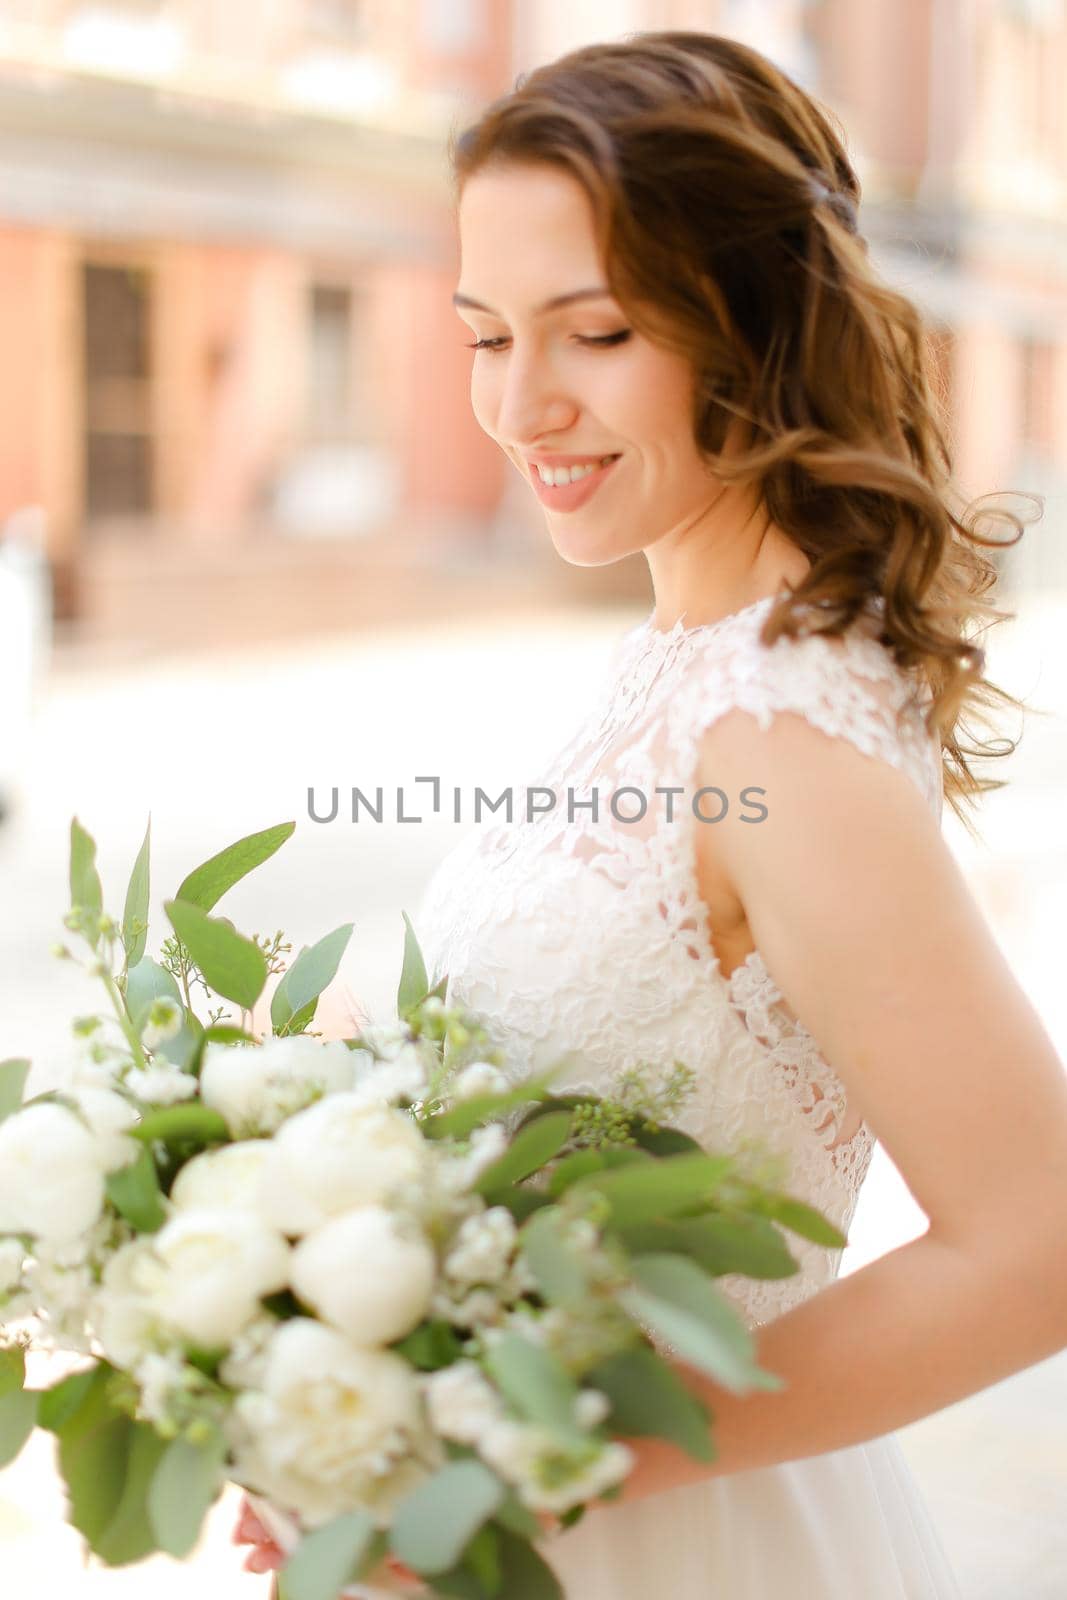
682 347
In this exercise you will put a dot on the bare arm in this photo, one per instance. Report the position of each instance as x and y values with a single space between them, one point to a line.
867 925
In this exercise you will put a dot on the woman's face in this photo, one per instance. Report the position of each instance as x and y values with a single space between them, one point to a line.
573 383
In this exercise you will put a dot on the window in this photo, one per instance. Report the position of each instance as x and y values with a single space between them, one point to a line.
117 370
330 362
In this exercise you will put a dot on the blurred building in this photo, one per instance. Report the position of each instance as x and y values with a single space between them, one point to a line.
233 376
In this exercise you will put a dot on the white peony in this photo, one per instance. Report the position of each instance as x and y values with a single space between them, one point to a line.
217 1264
334 1427
461 1402
110 1117
229 1178
256 1087
365 1275
341 1153
51 1173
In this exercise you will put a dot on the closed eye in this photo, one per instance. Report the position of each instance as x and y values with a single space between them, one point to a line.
598 339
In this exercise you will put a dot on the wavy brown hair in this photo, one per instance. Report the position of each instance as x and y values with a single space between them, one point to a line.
725 209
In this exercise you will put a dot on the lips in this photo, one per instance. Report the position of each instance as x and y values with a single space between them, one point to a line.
569 496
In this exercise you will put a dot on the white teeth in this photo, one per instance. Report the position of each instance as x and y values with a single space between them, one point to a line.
556 476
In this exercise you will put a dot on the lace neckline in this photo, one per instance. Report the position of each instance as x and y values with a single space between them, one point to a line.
647 629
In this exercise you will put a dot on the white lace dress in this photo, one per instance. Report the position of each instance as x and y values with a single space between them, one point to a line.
578 933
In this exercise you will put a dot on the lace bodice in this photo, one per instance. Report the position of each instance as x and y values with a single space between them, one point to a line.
576 933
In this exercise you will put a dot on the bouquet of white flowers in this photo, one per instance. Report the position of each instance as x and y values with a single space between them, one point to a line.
407 1303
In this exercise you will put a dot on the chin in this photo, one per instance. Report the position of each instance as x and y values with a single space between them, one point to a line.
587 552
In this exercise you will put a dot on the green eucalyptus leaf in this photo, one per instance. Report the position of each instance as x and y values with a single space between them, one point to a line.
570 1168
530 1150
800 1218
129 1536
659 1141
309 975
433 1524
13 1075
135 1193
642 1191
58 1404
189 1120
536 1383
649 1398
135 911
107 1461
184 1048
233 966
672 1296
12 1369
524 1573
207 883
146 982
18 1415
513 1515
186 1483
430 1346
85 888
482 1557
521 1202
326 1560
561 1275
413 979
461 1119
718 1242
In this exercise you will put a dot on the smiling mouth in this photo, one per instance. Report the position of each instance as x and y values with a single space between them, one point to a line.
573 493
560 477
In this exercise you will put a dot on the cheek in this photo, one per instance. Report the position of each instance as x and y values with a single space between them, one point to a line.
647 400
485 397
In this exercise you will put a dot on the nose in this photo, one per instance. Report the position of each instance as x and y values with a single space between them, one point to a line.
532 400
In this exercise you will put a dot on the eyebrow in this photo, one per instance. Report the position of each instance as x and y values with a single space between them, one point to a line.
597 293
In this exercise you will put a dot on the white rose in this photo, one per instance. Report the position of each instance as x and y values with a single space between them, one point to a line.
461 1402
51 1173
161 1084
110 1116
217 1264
481 1077
365 1275
334 1428
228 1178
340 1153
256 1087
